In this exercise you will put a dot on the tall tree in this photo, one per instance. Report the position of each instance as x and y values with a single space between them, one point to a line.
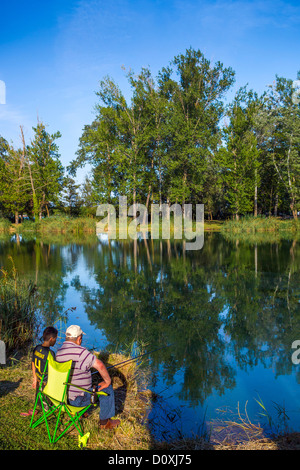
116 143
70 198
282 133
195 111
239 157
156 146
13 182
45 170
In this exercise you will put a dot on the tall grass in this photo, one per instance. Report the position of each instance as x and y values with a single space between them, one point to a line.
4 225
251 224
65 224
17 309
59 224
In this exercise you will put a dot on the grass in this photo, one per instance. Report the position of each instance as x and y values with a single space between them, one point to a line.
54 224
62 224
252 225
17 309
236 431
57 224
133 401
213 225
17 313
4 225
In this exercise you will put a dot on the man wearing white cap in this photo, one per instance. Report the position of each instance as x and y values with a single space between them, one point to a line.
83 361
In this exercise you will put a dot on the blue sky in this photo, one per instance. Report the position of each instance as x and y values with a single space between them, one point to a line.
53 54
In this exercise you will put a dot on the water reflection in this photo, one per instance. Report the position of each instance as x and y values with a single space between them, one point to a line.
229 308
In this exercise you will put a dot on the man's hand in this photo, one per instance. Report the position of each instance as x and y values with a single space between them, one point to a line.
100 367
103 385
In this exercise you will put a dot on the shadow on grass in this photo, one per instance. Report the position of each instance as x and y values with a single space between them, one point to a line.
7 386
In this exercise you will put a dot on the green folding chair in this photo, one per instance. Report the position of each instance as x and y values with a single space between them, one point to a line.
55 393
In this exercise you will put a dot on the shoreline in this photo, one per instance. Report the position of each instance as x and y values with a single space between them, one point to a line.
133 404
63 224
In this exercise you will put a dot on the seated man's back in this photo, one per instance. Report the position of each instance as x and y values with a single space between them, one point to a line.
82 362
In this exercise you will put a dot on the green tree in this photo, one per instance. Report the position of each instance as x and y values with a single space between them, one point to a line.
239 157
156 147
14 190
45 170
70 197
282 134
116 143
195 110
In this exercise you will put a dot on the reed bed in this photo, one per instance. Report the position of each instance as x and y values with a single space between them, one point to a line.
250 224
17 309
58 224
4 225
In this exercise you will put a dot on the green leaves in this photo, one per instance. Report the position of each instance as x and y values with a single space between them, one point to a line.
46 170
239 157
31 177
14 190
156 146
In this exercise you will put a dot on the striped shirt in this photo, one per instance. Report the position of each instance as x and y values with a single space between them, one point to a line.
83 360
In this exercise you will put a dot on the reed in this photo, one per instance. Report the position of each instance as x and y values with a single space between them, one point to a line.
58 224
65 224
17 309
250 224
4 225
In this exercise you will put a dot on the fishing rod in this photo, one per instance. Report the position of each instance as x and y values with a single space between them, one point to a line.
134 358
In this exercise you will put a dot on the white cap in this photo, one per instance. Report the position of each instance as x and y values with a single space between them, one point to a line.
74 331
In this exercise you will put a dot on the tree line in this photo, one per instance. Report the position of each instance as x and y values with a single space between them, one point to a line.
176 140
32 178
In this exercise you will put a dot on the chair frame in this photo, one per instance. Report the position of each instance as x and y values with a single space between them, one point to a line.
74 413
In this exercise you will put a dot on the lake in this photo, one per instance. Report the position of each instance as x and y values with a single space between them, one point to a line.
229 314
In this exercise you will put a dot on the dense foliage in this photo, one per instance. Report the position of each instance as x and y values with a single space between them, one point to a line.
176 140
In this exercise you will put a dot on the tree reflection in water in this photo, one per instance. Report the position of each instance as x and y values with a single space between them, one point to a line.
227 308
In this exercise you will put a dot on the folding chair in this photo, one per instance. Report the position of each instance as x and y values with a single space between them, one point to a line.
55 393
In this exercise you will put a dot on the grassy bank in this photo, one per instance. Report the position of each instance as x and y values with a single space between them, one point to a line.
82 225
57 224
260 224
4 225
53 224
61 224
17 309
133 402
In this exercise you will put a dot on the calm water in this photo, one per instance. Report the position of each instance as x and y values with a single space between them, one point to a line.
229 311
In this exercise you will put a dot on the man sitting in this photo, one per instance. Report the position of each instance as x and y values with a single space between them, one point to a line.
83 361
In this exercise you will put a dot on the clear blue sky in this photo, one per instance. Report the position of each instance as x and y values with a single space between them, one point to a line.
53 54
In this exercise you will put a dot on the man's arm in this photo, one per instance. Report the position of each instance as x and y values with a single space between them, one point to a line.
34 381
100 367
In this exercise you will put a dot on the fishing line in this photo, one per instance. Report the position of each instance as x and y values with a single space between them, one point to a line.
134 358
